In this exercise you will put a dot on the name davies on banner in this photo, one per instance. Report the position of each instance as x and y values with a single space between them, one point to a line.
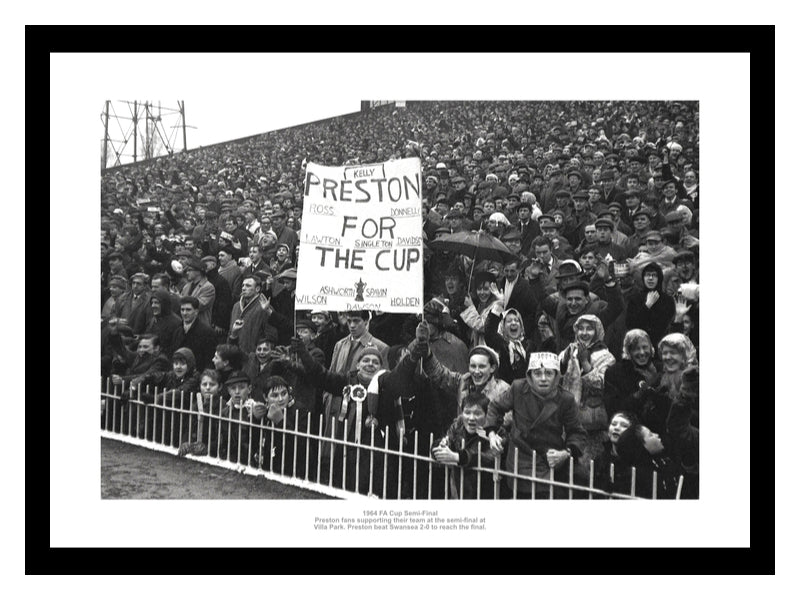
368 219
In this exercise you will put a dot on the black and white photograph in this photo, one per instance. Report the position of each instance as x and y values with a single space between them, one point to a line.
495 300
354 300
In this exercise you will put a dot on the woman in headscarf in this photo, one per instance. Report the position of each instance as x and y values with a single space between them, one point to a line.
652 405
505 334
583 366
677 353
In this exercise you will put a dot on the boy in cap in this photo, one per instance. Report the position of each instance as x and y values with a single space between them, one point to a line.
545 422
239 440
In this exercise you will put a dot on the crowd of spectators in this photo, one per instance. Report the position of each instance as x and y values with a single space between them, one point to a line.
582 342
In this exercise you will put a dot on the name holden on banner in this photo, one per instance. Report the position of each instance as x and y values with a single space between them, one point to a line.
367 219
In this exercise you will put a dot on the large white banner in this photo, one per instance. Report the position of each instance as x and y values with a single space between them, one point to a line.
361 239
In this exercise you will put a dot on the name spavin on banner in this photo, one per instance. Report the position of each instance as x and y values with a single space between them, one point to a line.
361 240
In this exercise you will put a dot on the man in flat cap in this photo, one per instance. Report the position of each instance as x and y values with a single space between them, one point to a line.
605 247
609 192
642 224
583 216
136 302
527 226
199 287
655 251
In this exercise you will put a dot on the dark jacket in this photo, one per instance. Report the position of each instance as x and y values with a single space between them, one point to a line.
223 300
200 339
470 446
166 324
621 387
524 300
539 424
685 441
655 320
405 390
129 364
607 311
506 371
327 337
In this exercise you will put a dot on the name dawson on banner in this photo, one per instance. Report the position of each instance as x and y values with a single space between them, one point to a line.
361 239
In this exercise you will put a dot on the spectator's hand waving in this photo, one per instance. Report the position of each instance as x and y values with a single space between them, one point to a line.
681 307
496 292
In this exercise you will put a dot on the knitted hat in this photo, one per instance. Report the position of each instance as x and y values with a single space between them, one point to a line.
367 351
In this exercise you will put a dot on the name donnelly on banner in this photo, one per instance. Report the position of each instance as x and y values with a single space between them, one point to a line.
361 240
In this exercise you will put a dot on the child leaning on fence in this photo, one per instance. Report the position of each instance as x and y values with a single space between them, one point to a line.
175 389
239 423
464 445
206 403
283 451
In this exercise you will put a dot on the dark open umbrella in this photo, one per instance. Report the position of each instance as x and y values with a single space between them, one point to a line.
478 245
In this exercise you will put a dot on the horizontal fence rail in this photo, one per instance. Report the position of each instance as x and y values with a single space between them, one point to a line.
301 454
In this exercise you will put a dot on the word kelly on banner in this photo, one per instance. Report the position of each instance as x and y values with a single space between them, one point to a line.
361 240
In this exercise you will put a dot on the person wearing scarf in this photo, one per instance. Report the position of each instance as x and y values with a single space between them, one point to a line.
583 364
505 333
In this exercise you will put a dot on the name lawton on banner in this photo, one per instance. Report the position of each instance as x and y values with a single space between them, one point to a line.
361 241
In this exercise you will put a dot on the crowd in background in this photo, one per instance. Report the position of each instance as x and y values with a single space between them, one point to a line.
581 341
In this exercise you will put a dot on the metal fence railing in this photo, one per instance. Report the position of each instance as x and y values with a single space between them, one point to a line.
334 464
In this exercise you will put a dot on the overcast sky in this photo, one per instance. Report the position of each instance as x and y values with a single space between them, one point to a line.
211 118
